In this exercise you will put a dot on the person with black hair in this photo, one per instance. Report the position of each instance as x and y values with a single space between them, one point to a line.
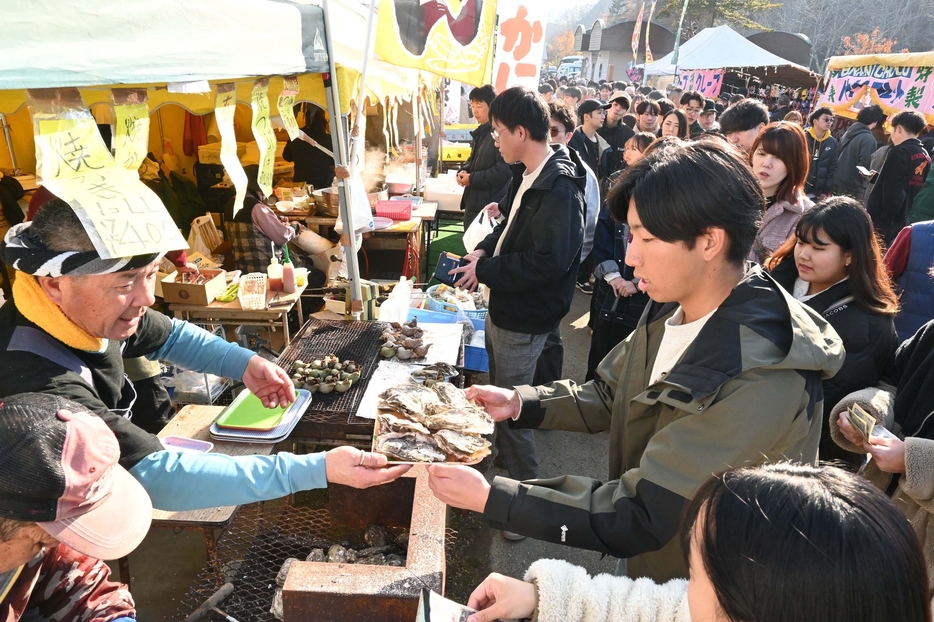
485 175
692 105
647 116
833 264
741 122
312 165
615 132
824 150
665 105
724 367
573 97
901 177
781 542
708 118
529 262
546 91
784 107
856 149
674 125
586 140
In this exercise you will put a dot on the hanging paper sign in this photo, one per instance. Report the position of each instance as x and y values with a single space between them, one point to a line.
707 82
131 135
648 50
225 104
450 38
635 34
121 215
893 88
519 44
262 131
286 106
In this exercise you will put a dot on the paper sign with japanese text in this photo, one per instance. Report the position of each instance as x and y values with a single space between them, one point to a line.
894 88
121 215
286 106
707 82
520 42
131 131
450 38
225 104
263 133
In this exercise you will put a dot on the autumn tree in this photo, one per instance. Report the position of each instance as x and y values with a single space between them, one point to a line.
709 13
559 47
868 43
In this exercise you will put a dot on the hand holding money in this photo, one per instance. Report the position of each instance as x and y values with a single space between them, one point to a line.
861 421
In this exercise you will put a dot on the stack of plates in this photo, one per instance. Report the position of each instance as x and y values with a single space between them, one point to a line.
246 420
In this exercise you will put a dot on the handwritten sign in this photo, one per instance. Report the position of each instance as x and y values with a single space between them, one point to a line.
520 44
707 82
131 138
121 215
894 88
286 105
225 104
262 131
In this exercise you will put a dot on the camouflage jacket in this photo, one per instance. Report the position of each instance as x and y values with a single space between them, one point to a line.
746 391
63 585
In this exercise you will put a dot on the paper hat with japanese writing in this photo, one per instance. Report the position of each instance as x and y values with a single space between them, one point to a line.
58 468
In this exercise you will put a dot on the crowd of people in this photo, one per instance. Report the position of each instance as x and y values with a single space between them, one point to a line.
747 289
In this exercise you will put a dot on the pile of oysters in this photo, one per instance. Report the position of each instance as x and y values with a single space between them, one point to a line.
403 341
431 424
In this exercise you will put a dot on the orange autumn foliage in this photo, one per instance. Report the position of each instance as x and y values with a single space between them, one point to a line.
868 43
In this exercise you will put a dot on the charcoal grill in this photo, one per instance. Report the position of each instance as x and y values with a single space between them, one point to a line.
261 538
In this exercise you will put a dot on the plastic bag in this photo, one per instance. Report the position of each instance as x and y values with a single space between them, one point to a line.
481 227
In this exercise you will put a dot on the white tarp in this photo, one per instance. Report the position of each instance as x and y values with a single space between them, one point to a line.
724 48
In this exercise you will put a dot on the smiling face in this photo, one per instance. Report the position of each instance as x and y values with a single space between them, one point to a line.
770 171
671 126
820 262
106 306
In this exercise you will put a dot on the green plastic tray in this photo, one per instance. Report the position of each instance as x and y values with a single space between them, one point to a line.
246 412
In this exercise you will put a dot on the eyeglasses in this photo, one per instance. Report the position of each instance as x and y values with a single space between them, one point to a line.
554 131
693 109
495 136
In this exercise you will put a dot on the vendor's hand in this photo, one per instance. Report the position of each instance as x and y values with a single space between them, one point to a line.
341 172
361 469
284 220
462 178
848 431
492 210
622 287
268 382
501 404
469 279
502 598
888 453
459 486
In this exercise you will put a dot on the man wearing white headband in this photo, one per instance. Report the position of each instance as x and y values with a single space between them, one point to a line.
74 317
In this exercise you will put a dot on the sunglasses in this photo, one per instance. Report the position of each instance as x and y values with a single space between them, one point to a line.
554 131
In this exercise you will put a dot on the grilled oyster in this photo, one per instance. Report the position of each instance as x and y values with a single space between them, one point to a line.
410 447
466 420
463 447
387 424
451 396
412 400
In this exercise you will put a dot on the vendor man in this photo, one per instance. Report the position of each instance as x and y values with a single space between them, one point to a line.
74 317
65 505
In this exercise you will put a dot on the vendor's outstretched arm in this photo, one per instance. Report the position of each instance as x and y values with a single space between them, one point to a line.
194 348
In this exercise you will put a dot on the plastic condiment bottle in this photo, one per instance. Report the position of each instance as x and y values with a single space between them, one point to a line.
274 273
288 272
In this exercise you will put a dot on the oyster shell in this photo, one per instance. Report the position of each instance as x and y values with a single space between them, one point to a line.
451 396
466 420
386 424
462 446
412 400
410 447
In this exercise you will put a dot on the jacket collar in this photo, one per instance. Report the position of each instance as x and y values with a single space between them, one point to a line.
481 130
813 135
563 162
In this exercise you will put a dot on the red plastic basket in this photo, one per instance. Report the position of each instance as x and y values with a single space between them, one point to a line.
397 210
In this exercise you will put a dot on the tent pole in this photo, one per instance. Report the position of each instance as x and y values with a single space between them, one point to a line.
339 132
9 142
368 52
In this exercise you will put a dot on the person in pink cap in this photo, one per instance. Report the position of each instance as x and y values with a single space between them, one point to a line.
65 505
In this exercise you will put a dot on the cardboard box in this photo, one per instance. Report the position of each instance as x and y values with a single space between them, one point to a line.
189 294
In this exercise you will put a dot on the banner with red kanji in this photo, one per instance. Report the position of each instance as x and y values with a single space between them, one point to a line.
707 82
520 43
894 88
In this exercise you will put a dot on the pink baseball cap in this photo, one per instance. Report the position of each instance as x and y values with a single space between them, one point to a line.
59 468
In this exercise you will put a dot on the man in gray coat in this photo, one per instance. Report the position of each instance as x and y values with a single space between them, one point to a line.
856 149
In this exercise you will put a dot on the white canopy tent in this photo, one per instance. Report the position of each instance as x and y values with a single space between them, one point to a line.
724 48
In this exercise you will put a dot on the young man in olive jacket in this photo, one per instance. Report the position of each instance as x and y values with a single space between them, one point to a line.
723 370
485 176
529 262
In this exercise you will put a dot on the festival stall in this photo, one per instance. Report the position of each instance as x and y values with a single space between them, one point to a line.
896 82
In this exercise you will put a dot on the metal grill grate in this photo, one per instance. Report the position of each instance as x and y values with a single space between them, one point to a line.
357 341
253 549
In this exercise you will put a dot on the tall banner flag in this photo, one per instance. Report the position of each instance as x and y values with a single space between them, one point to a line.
450 38
674 56
520 43
636 30
648 50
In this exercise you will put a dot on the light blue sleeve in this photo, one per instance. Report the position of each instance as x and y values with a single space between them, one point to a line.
194 348
179 481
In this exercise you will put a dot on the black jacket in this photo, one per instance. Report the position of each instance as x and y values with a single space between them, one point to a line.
591 152
312 165
902 175
856 149
616 137
532 280
868 338
823 159
489 173
11 191
912 372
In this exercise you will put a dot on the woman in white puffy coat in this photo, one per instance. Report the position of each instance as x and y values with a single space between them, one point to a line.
777 542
